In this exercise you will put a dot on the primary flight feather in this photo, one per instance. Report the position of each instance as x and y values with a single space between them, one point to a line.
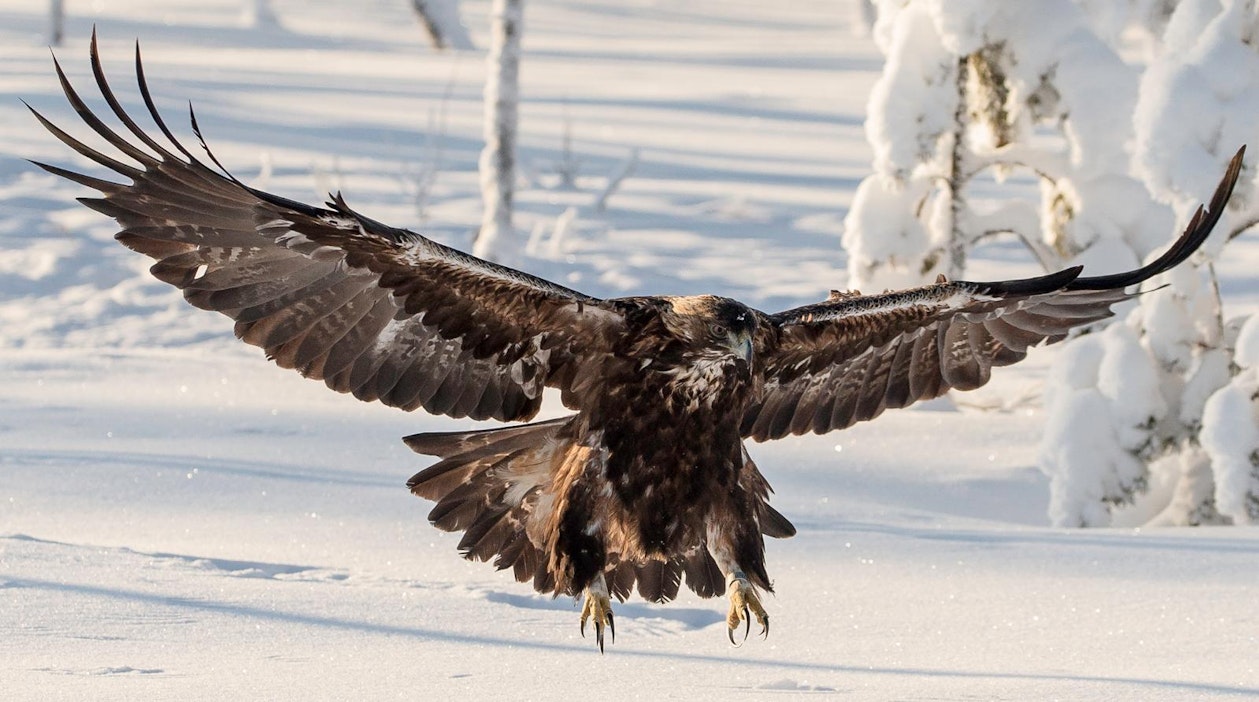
648 483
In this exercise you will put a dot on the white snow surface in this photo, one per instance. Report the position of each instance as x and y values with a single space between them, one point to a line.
179 519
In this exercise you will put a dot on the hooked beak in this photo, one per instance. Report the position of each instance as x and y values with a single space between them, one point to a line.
741 345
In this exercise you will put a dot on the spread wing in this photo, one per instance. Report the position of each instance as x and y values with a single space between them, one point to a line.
846 360
379 312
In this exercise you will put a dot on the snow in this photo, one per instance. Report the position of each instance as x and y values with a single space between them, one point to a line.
1102 401
180 519
1231 440
1195 106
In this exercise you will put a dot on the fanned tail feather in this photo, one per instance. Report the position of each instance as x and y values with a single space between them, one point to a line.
488 484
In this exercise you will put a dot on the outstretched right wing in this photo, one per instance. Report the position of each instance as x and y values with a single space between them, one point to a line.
379 312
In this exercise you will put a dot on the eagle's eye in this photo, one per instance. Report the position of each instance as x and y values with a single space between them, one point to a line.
717 330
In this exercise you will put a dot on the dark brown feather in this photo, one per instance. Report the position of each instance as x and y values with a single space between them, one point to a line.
702 574
311 285
890 350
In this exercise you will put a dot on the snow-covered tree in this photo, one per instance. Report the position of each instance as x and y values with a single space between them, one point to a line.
1123 404
1156 417
496 239
964 88
1110 401
1230 433
441 22
1132 25
1196 106
1198 103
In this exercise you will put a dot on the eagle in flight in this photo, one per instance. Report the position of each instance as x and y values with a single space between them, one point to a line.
648 483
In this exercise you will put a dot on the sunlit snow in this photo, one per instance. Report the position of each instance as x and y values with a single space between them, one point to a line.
180 519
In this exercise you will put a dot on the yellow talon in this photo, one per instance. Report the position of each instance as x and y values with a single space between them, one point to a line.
598 605
744 600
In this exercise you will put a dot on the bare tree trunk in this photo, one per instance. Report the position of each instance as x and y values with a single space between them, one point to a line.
496 239
957 243
56 22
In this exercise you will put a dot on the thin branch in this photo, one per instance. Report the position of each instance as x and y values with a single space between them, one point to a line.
1241 228
615 180
1047 260
1045 165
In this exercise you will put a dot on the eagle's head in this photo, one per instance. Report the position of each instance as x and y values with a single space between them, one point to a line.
715 328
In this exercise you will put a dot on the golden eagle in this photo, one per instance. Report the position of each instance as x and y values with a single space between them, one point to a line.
648 483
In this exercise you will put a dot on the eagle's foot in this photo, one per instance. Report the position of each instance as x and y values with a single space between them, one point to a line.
745 603
598 606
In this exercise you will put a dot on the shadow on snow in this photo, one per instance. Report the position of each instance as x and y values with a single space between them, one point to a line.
241 610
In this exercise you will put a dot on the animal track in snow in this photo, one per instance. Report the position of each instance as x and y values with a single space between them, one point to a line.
106 671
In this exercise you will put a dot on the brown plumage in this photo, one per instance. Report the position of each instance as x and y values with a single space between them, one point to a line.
647 485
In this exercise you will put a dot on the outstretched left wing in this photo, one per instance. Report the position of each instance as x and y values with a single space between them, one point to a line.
835 363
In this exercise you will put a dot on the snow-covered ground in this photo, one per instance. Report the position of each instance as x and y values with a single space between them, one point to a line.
181 520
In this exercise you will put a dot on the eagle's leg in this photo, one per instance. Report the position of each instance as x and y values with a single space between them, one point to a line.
745 603
598 605
745 596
